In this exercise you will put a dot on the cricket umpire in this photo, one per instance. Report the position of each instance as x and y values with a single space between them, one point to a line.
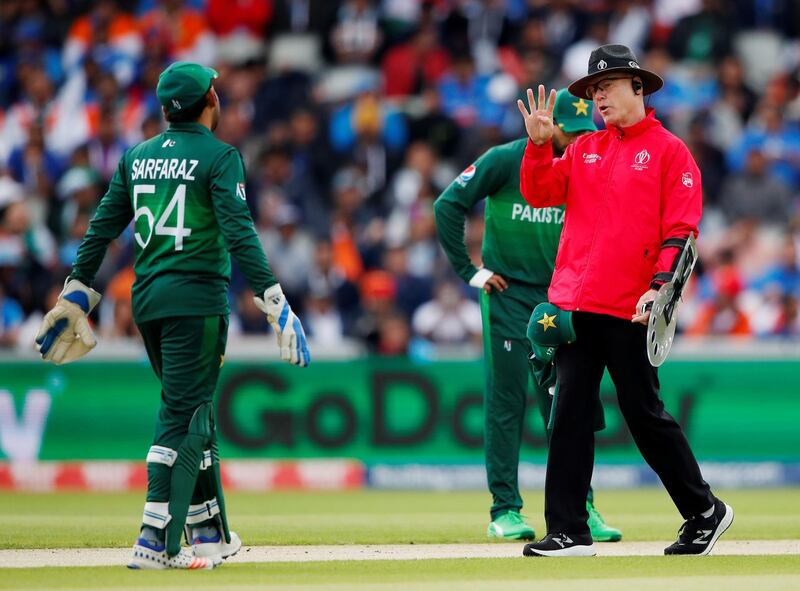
518 255
633 196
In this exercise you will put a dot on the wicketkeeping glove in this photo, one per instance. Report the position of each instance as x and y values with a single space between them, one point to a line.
65 334
291 338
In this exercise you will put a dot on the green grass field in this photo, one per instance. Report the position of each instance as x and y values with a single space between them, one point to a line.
375 517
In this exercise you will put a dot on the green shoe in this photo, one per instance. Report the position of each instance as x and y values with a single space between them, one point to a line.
510 526
600 531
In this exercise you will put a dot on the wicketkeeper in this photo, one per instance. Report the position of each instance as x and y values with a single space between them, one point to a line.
185 192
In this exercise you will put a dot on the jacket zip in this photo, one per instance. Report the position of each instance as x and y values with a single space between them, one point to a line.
616 145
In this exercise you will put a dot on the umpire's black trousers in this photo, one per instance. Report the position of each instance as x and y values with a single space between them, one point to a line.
607 342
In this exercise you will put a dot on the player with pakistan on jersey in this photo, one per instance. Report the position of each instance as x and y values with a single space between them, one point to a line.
519 250
184 189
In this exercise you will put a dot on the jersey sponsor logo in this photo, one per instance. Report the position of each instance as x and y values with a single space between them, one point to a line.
466 175
687 180
591 158
507 345
540 215
640 160
168 143
240 193
163 168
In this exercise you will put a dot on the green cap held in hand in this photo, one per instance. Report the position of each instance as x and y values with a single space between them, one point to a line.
549 327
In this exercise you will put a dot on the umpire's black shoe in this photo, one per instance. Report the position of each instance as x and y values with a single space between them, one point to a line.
561 545
698 535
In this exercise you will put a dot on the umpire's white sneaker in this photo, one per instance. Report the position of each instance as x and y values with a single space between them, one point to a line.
207 546
153 556
561 545
698 535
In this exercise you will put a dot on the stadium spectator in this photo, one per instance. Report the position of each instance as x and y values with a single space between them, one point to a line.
117 304
703 36
312 155
183 32
106 148
291 251
275 182
245 320
394 335
34 166
325 277
410 66
11 319
630 24
378 292
449 318
433 126
722 316
356 36
250 17
412 291
710 160
784 275
576 57
754 194
107 35
787 324
779 142
322 321
465 97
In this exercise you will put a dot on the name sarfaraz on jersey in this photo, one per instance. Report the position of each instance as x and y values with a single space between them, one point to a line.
542 215
163 168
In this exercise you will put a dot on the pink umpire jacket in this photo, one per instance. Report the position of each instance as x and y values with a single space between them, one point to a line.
626 190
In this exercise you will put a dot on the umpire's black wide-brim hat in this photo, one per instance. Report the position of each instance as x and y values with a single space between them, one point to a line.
615 59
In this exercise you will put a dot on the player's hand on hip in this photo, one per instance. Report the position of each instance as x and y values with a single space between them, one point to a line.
643 307
488 280
65 335
291 337
539 119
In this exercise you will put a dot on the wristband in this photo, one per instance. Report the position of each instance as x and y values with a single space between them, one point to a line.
480 278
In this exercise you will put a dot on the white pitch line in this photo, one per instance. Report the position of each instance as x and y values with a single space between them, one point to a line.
119 556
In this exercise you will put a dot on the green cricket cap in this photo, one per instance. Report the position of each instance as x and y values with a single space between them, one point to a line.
548 327
573 114
183 84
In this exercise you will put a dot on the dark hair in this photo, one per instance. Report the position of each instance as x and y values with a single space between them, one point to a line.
189 114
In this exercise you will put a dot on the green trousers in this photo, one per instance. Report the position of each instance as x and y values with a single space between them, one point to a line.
186 354
509 382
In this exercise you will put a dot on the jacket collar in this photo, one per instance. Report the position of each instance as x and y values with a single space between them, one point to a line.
639 128
191 127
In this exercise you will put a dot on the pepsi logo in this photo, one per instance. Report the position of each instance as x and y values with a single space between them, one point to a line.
467 174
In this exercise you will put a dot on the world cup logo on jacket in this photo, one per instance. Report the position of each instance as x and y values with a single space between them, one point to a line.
640 160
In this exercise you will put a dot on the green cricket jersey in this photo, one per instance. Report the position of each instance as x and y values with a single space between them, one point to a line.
519 241
185 190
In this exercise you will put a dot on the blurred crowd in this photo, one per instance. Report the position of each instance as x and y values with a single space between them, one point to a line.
353 115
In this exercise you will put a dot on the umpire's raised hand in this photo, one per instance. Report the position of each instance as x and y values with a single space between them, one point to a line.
539 121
